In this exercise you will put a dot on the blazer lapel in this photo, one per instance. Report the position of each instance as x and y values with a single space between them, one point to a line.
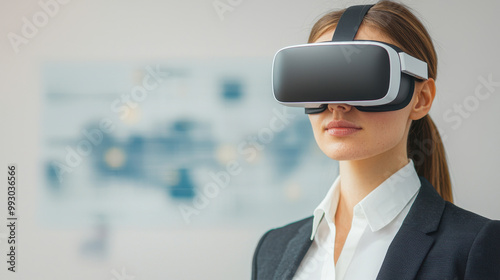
294 253
412 242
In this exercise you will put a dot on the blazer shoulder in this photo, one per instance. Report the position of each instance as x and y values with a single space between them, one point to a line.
273 245
431 213
281 235
484 255
456 218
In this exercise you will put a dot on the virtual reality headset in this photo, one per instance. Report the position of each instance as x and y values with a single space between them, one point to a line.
373 76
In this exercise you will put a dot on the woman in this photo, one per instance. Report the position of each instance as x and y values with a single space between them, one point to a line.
389 214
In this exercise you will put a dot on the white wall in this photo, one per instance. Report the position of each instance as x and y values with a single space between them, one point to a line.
466 39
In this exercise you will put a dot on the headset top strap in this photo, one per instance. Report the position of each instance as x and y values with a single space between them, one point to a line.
349 23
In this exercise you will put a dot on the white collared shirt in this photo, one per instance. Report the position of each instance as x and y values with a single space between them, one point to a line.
376 220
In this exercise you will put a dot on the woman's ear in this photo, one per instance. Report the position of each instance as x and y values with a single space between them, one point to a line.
424 94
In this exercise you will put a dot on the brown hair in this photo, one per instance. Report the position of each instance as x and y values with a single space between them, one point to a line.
396 20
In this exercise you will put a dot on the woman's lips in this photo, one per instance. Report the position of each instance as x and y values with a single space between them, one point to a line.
342 128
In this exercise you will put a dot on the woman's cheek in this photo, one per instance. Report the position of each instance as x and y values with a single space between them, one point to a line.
386 129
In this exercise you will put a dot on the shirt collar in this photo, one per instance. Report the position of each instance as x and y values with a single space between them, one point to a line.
327 207
381 205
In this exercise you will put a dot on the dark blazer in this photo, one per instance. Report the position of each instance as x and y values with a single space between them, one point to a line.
437 240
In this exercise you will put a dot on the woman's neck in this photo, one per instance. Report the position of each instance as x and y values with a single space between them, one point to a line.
359 177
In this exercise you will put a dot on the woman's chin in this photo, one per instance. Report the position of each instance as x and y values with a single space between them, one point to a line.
342 156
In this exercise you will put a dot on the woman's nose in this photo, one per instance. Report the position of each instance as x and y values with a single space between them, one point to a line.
339 107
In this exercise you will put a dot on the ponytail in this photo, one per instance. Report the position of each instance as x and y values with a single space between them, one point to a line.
426 150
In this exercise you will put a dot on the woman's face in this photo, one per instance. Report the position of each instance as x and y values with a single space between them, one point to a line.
369 133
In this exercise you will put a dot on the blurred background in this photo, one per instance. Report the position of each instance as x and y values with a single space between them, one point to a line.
149 145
